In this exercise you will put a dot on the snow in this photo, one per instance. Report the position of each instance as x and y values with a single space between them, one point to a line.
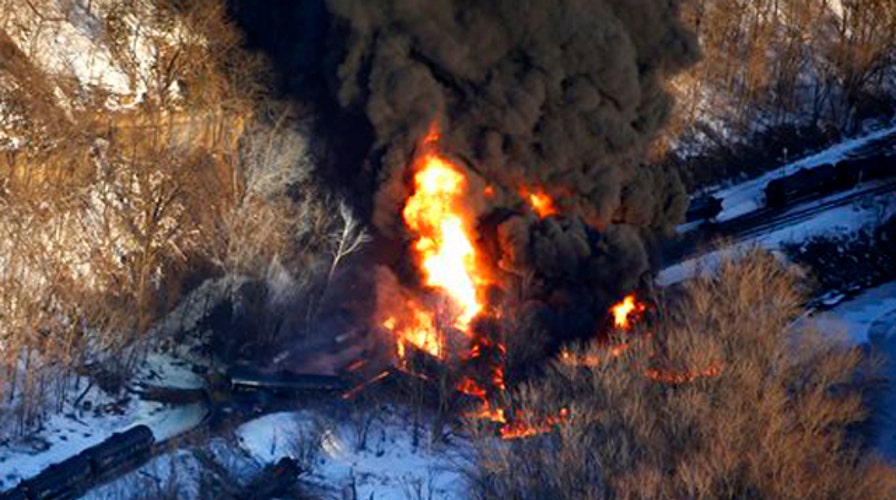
384 465
66 433
872 311
67 39
171 475
61 44
749 196
870 319
388 465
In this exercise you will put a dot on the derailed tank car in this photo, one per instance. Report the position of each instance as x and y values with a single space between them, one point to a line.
243 378
67 479
121 452
72 477
17 493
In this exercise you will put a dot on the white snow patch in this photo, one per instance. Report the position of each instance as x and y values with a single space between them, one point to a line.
870 318
857 315
171 475
67 434
389 466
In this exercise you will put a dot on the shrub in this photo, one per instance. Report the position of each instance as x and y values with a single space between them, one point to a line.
723 398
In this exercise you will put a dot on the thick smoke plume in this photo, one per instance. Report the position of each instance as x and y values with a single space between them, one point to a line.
559 95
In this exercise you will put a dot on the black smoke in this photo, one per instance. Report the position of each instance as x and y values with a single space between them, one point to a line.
563 95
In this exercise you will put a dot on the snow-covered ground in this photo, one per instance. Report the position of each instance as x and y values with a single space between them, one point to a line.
74 39
870 318
748 196
78 427
65 434
864 314
386 464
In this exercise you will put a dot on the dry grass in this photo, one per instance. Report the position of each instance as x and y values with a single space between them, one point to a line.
772 424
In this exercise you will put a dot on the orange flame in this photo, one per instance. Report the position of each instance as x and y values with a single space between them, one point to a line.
447 257
588 359
525 426
444 245
683 377
626 311
417 328
469 387
541 203
444 248
486 412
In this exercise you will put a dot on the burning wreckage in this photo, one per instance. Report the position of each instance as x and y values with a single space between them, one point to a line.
503 179
454 326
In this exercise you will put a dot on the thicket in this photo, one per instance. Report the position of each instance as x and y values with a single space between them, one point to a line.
794 74
722 398
111 207
849 262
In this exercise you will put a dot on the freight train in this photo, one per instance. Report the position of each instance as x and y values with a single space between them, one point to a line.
74 476
127 450
806 184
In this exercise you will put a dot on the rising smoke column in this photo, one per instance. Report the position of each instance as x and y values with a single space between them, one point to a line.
565 95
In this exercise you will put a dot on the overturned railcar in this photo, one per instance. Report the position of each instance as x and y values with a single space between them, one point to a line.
244 378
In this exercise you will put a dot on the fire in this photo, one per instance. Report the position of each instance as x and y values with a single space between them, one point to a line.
624 315
525 426
683 377
541 203
570 358
626 311
418 328
444 243
445 251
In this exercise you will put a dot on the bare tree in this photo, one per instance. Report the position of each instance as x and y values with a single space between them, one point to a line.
346 239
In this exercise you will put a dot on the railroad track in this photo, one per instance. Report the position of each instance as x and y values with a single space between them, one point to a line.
764 225
764 221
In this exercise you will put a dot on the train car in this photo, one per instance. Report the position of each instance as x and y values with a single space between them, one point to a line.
805 183
64 480
703 208
283 382
855 170
122 451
